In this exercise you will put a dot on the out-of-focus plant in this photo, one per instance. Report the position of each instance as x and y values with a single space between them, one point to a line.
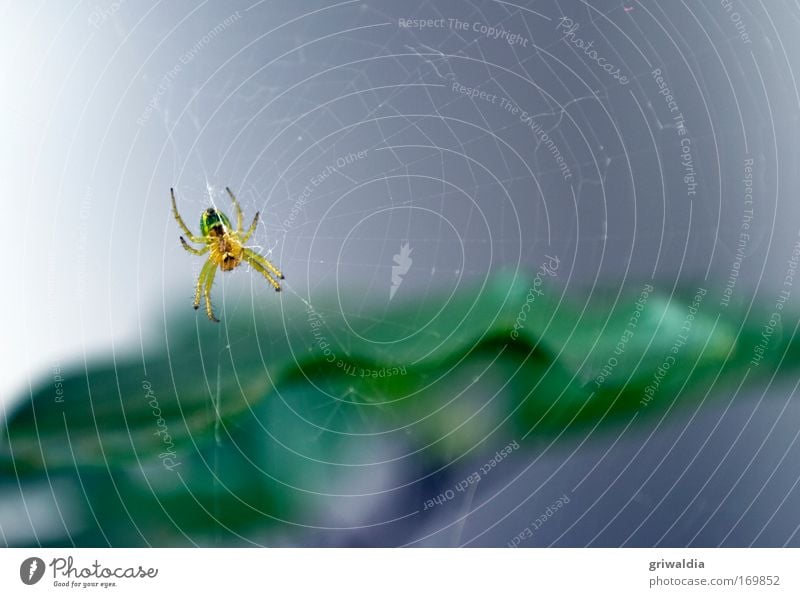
229 429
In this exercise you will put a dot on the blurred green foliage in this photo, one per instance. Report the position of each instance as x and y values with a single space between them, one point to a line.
227 429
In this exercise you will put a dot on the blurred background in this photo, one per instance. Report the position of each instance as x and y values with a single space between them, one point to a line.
540 263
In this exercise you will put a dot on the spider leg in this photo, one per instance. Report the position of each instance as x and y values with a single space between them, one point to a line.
239 215
178 218
250 230
249 257
210 282
201 279
192 250
263 261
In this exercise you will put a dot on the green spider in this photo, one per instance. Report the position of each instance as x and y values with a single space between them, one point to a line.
225 248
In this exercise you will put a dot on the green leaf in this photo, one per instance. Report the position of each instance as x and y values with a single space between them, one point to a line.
549 359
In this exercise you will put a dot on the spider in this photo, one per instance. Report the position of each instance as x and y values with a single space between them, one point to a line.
225 248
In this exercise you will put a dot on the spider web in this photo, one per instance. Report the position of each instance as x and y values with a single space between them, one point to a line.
358 139
396 166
